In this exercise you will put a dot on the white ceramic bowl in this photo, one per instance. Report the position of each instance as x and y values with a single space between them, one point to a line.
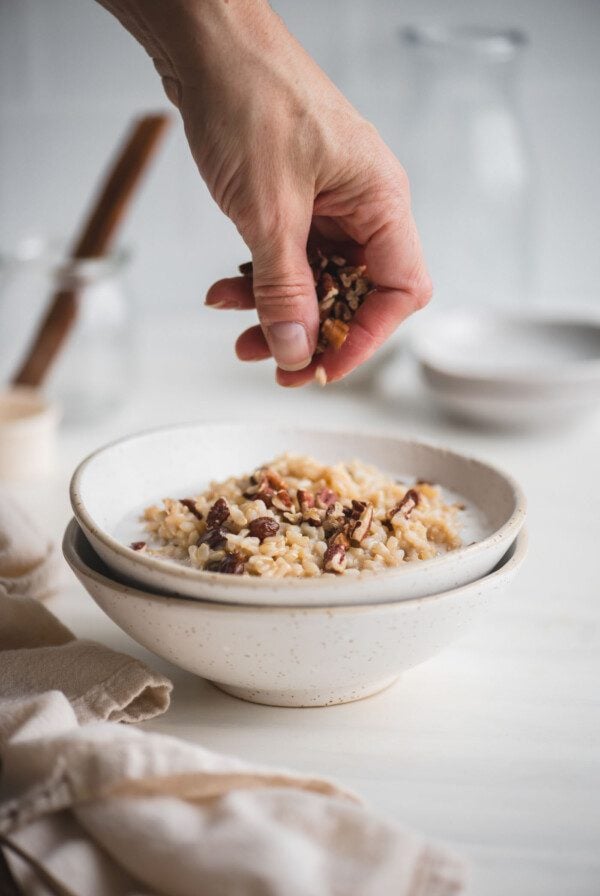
511 369
290 656
117 481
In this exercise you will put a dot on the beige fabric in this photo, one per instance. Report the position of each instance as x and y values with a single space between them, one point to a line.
29 564
38 653
92 808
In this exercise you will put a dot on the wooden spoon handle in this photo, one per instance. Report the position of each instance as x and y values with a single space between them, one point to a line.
96 235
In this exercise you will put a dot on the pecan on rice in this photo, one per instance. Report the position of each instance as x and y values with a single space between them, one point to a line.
295 517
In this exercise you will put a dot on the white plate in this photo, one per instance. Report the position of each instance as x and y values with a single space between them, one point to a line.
111 487
511 369
290 656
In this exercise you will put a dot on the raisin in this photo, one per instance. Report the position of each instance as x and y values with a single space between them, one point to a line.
231 564
214 538
263 527
217 514
191 506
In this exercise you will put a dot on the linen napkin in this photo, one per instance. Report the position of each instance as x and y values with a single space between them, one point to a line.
38 653
89 807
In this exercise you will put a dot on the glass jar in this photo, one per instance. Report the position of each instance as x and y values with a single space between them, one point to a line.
468 161
90 376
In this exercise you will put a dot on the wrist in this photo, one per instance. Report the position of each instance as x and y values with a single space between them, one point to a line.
184 35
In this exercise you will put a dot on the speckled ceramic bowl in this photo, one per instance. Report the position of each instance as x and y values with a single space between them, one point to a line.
290 656
111 487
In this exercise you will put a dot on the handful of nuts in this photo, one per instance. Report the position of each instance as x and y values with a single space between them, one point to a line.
341 290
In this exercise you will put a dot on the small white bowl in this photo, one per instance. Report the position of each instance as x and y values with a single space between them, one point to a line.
511 369
110 488
290 656
28 425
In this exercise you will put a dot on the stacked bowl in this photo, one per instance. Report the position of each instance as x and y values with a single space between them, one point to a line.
287 642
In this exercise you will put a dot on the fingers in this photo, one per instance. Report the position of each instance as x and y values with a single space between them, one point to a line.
233 293
373 323
252 345
284 293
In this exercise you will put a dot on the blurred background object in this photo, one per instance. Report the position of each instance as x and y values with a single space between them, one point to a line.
70 77
469 164
92 373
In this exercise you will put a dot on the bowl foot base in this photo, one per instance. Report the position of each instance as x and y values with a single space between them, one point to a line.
306 698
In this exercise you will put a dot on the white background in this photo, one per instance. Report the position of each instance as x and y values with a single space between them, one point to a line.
494 745
70 78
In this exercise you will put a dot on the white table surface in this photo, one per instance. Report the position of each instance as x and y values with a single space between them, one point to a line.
494 746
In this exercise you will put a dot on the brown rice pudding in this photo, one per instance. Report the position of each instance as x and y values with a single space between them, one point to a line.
295 517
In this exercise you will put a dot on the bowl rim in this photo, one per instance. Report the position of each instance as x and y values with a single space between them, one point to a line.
174 571
504 567
566 372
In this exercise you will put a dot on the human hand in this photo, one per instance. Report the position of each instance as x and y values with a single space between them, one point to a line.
286 157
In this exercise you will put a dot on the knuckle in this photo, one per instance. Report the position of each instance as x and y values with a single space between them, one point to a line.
278 299
421 290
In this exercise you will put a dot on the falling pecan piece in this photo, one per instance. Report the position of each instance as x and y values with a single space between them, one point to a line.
137 545
217 514
263 527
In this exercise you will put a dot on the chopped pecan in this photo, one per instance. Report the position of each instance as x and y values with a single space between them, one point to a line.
406 505
292 516
327 287
325 497
282 500
341 289
334 559
306 499
217 514
339 538
214 538
334 332
334 517
355 510
359 529
137 545
320 375
191 506
274 479
261 490
312 516
263 527
232 564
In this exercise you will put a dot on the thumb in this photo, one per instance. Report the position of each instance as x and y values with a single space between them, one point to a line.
284 292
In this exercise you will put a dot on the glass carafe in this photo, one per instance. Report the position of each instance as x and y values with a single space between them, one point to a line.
467 157
91 374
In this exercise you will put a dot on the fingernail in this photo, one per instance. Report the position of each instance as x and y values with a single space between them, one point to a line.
289 344
232 306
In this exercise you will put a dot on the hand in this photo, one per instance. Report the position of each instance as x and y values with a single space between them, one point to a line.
287 157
